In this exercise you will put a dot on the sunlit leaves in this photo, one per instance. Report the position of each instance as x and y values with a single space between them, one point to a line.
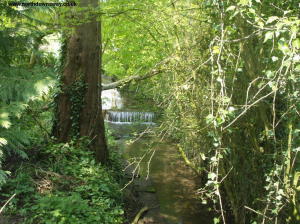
212 176
245 2
5 123
283 47
270 74
217 220
296 43
230 8
216 49
271 19
269 35
43 86
210 118
3 142
4 120
132 41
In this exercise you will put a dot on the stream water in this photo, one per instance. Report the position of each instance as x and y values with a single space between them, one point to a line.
173 183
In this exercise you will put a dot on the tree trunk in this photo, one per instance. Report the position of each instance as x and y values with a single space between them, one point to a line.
79 110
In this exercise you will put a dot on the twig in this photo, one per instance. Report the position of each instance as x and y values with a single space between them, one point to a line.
226 175
139 214
136 170
259 213
148 164
247 108
6 203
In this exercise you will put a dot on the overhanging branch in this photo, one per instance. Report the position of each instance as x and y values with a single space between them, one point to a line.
155 71
129 79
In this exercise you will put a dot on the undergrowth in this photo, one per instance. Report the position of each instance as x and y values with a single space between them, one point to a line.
63 184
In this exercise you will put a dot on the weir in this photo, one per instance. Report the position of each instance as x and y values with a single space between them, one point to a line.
128 117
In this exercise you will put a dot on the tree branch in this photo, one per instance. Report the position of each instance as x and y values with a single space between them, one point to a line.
129 79
155 71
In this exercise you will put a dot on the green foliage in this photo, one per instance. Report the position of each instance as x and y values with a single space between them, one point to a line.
71 209
53 183
20 89
132 40
65 187
64 209
77 100
22 86
229 96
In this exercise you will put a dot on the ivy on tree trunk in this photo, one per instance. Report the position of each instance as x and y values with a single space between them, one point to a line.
79 110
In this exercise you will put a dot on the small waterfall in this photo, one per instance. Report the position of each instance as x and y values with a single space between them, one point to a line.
111 98
123 117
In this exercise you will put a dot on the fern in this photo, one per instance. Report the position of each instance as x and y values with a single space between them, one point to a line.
18 87
21 86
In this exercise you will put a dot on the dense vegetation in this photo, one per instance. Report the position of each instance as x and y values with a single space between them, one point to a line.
47 181
224 74
229 95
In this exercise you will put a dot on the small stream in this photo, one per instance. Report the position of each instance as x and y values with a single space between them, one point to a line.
173 184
